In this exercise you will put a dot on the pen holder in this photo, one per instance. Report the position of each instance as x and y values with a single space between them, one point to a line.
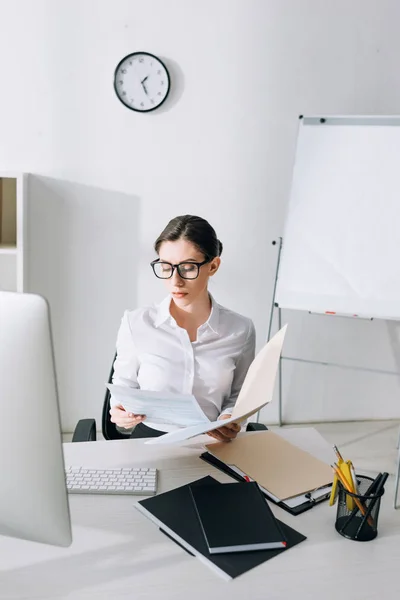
360 523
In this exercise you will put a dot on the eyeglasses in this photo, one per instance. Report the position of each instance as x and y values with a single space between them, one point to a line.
186 270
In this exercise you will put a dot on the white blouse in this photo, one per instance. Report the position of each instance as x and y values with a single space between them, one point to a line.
154 353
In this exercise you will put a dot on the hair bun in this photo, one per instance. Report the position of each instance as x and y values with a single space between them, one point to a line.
194 229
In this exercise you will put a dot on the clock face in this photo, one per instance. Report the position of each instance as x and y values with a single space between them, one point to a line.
141 81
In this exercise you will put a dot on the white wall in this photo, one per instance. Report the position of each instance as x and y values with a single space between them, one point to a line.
222 147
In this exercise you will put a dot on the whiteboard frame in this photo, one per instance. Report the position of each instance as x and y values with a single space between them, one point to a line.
297 300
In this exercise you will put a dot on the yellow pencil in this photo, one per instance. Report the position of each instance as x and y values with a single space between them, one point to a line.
340 457
348 487
346 472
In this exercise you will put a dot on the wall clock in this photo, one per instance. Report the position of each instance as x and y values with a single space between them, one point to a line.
141 81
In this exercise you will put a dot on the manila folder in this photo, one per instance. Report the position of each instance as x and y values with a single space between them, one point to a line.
278 466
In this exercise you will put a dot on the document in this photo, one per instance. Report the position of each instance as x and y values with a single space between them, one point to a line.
257 390
160 407
281 469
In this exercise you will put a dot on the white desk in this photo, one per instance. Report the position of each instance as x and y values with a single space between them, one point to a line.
118 553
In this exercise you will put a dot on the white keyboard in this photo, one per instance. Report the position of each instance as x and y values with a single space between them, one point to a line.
139 481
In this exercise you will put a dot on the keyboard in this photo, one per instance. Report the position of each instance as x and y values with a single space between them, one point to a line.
140 481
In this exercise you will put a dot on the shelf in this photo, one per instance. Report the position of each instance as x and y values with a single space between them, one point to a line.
8 212
13 195
8 271
8 249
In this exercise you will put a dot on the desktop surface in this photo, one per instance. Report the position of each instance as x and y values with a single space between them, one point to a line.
118 553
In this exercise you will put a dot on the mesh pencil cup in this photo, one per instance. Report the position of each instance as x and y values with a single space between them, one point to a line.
361 522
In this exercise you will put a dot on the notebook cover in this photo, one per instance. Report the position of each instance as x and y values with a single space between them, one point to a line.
218 464
175 514
235 517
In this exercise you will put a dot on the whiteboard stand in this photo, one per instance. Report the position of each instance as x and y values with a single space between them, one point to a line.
275 306
271 316
396 485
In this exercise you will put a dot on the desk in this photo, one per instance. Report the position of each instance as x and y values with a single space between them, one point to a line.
118 553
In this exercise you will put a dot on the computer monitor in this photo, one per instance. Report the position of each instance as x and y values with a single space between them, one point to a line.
33 496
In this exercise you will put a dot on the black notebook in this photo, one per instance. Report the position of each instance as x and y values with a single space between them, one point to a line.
235 517
175 515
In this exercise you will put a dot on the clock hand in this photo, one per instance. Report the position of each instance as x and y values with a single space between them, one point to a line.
143 86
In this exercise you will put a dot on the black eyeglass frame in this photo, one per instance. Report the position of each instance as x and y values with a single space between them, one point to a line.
186 262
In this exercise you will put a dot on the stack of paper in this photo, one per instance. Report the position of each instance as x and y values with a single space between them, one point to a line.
160 407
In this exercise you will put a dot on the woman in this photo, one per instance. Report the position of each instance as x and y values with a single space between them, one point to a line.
188 344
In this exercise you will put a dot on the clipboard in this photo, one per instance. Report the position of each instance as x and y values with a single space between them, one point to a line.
297 510
308 472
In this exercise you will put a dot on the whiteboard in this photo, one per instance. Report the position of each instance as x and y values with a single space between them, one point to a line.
341 241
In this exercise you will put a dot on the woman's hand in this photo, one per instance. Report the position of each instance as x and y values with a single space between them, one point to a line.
120 417
226 433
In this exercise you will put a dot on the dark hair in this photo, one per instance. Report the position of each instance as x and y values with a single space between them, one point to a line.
196 230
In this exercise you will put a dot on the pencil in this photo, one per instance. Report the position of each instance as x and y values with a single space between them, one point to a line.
347 486
354 478
336 449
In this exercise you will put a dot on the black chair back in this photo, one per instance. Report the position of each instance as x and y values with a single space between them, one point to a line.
109 430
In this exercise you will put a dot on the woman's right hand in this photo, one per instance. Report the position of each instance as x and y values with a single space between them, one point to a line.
124 419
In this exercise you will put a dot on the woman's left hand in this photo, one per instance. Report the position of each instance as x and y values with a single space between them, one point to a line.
227 432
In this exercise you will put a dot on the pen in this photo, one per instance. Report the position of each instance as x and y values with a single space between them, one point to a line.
377 493
381 483
374 483
369 492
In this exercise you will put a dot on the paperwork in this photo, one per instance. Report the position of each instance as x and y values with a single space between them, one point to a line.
281 469
160 407
314 495
257 390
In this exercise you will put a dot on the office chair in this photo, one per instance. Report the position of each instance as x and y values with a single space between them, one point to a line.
85 430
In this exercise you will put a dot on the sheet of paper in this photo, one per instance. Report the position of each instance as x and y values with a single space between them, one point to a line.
256 392
258 386
160 407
